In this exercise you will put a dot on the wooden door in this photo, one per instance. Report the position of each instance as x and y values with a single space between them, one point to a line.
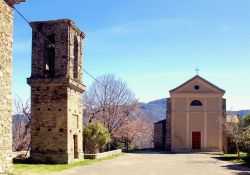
75 147
196 140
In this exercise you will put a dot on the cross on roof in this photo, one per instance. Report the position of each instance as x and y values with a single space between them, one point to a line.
197 70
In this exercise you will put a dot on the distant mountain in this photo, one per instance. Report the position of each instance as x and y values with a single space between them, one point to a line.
17 119
156 110
241 113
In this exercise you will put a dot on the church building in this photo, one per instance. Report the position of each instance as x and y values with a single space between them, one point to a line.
196 111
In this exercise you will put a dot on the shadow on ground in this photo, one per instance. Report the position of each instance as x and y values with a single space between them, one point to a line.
29 161
147 151
158 151
243 168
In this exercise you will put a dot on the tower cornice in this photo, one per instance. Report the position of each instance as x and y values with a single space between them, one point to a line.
78 86
13 2
67 22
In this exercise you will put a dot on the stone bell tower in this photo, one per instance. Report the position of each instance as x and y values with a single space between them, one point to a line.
6 48
56 92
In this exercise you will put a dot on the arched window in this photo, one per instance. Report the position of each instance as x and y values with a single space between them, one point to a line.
76 55
196 103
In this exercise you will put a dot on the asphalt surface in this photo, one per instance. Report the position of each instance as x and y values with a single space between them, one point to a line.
160 163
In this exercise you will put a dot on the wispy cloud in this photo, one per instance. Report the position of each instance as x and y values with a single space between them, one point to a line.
162 75
100 38
140 26
23 46
149 25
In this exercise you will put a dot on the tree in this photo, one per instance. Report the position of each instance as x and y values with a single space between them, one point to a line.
236 132
139 132
245 122
110 102
95 137
22 129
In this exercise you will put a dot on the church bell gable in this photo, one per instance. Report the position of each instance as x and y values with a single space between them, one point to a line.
197 85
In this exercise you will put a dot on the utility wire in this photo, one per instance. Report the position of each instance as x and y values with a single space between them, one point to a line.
21 15
27 21
93 77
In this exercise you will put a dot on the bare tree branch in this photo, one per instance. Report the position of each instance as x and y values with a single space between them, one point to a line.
22 129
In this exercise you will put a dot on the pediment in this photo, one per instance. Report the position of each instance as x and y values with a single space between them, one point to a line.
197 85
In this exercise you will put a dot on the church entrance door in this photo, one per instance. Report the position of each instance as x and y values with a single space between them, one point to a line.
196 140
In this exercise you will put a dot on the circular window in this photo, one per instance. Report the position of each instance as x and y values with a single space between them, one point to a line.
196 87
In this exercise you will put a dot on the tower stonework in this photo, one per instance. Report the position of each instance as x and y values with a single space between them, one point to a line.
56 92
6 48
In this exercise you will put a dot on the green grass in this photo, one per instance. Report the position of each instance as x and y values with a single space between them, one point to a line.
234 158
22 167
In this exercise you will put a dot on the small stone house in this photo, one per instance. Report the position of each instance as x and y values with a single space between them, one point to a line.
196 112
6 49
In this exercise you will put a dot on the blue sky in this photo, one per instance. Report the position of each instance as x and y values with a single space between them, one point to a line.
153 45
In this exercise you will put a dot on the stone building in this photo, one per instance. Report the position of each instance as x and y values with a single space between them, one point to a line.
6 48
56 92
196 112
159 134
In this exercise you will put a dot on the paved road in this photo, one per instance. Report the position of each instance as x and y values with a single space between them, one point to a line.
160 164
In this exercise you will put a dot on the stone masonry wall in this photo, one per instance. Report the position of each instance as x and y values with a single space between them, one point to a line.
75 95
49 121
168 126
75 123
159 134
6 47
56 99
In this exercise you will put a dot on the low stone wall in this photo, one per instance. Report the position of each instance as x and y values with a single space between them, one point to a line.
21 154
103 155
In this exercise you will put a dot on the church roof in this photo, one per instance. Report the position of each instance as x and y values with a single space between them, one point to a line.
161 121
200 78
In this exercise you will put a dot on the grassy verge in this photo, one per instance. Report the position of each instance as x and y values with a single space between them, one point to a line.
22 167
234 158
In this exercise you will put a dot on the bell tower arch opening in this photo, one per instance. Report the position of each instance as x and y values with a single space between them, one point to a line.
76 58
49 58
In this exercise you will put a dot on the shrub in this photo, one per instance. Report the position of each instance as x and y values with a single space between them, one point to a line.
117 143
231 146
136 147
95 137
